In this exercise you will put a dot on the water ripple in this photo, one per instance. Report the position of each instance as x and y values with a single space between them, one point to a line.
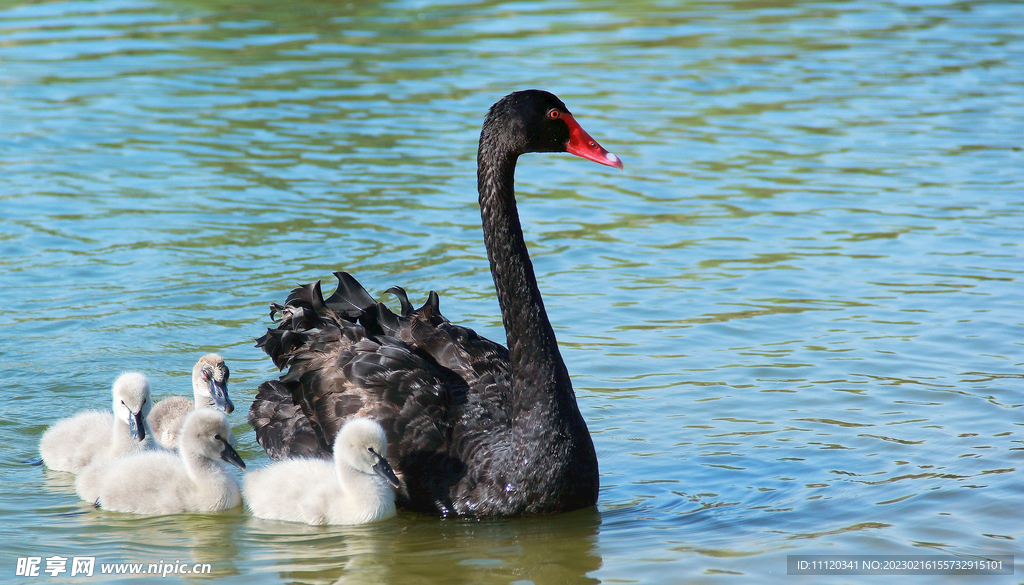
792 321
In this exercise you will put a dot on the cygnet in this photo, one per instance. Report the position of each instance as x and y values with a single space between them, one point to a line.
162 482
210 389
356 488
72 443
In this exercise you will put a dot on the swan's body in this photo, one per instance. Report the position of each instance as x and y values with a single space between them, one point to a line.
356 488
474 429
210 390
74 442
162 482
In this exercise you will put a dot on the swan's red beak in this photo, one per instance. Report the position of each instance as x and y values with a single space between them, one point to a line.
582 145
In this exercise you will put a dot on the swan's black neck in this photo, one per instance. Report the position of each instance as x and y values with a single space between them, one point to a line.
539 376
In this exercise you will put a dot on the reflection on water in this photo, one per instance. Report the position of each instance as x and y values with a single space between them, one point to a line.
414 549
191 539
792 322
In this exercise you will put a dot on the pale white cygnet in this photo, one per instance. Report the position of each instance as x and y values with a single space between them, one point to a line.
209 389
357 487
74 442
162 482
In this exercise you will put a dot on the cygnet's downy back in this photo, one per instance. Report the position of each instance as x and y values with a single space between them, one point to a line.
93 435
357 487
153 483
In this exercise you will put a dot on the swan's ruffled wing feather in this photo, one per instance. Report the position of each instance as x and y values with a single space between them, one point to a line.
282 428
350 299
449 346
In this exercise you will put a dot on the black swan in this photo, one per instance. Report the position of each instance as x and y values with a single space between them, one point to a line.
473 429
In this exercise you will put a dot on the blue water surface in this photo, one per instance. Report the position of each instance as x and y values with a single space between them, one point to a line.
794 321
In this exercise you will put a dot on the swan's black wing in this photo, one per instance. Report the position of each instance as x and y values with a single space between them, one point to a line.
282 428
477 363
482 364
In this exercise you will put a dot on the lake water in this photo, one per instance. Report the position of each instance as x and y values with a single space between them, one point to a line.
794 321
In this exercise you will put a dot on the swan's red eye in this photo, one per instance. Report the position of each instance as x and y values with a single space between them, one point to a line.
554 114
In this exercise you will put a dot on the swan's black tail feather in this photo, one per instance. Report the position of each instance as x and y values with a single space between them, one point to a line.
307 295
307 324
305 311
388 322
432 307
403 299
351 300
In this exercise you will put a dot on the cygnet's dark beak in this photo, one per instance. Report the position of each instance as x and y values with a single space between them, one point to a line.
230 455
383 469
219 393
135 423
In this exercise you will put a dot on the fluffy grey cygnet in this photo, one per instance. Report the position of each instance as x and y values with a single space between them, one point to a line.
357 487
92 435
162 482
209 389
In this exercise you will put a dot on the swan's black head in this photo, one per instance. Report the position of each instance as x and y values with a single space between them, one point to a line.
536 121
